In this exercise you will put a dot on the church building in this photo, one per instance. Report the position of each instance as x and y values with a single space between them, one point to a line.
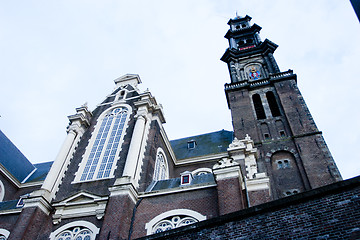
118 176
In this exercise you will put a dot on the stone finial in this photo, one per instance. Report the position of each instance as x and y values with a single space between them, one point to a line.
225 162
128 79
236 143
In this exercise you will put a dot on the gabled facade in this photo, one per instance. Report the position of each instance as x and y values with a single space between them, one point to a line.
117 175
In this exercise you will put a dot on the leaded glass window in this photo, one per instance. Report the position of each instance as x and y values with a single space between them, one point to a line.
173 222
161 169
76 233
103 151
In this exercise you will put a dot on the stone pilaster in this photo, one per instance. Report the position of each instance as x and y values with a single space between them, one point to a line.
230 186
122 200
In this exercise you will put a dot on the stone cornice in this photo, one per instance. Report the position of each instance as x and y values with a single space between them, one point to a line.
206 158
183 188
124 186
38 201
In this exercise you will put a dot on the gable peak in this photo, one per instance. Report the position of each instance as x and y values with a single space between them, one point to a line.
128 79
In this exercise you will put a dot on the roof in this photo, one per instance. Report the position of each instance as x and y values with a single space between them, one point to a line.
13 160
205 144
41 172
8 205
175 182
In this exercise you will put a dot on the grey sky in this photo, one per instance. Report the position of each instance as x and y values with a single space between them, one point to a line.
56 55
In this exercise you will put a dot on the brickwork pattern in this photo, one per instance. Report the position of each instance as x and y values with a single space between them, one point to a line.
202 201
230 196
330 212
258 197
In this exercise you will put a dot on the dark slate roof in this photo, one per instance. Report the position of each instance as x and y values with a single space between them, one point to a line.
13 160
206 144
175 182
42 170
8 205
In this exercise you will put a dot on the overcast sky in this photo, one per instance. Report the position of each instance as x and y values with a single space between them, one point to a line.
57 55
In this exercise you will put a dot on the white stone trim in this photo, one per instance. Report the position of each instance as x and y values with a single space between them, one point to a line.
182 188
186 212
196 171
9 176
142 150
11 211
80 205
4 232
203 159
2 193
65 165
161 151
93 138
167 142
256 184
95 230
124 186
32 172
227 173
39 202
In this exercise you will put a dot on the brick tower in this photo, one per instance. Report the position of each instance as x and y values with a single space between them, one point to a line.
267 104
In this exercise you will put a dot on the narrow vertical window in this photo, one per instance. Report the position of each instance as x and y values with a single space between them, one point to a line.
161 169
280 128
104 149
274 108
265 131
259 109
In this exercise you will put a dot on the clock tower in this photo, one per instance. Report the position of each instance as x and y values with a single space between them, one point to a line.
267 104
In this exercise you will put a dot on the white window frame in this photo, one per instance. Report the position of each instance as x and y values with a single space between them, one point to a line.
95 230
4 233
161 170
176 212
88 149
200 171
2 193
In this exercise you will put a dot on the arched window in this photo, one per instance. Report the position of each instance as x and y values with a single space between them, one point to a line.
281 128
265 131
4 234
173 219
79 230
161 168
201 171
2 191
104 145
259 109
274 108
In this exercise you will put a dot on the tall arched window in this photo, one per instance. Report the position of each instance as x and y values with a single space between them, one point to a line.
161 168
275 111
259 109
105 146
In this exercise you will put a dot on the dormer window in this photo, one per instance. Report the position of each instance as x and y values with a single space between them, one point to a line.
186 178
191 144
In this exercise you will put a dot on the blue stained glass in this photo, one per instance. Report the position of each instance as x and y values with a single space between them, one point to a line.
108 124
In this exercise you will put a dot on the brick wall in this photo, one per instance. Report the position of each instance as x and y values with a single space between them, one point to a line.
203 201
330 212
